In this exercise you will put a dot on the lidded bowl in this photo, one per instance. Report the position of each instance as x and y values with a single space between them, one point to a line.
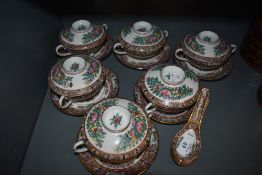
76 78
142 40
115 130
170 88
205 50
81 37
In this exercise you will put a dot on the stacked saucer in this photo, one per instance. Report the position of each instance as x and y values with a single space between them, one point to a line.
142 46
84 37
206 54
117 138
79 82
171 90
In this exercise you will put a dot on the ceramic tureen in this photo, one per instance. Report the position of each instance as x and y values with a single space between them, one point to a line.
205 50
76 78
170 88
81 37
142 40
115 130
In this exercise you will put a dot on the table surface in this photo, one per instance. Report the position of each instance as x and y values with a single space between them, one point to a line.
231 130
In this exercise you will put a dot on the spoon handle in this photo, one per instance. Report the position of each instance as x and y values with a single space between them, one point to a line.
200 107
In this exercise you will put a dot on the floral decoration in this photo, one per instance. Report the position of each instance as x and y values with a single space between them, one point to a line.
136 132
91 72
150 39
116 120
68 35
93 35
176 93
221 48
94 124
194 45
60 78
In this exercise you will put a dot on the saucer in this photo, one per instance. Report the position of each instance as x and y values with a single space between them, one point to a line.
159 116
105 50
216 74
139 64
137 166
109 90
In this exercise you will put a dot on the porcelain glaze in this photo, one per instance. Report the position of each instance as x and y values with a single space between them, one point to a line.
82 32
206 49
142 40
76 76
116 130
169 87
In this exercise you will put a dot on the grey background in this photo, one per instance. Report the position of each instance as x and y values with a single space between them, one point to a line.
231 131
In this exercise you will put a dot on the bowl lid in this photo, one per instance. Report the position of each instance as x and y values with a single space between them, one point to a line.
76 76
82 32
170 86
206 44
142 33
116 126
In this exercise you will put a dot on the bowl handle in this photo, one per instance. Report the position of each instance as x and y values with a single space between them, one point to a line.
179 54
166 33
234 48
105 26
150 109
79 147
57 50
119 45
61 99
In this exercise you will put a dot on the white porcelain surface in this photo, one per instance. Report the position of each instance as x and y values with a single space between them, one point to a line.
199 72
207 44
111 136
171 83
142 33
116 118
186 143
82 32
76 73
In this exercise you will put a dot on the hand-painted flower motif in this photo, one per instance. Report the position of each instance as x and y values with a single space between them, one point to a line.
94 117
60 78
136 133
81 27
150 39
94 124
194 45
68 35
116 120
207 39
92 72
93 35
169 93
220 49
126 31
191 75
74 67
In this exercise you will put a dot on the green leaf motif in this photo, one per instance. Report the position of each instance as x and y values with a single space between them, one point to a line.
94 124
158 89
68 35
158 68
194 45
220 49
92 72
93 35
126 31
60 78
150 39
136 133
191 75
